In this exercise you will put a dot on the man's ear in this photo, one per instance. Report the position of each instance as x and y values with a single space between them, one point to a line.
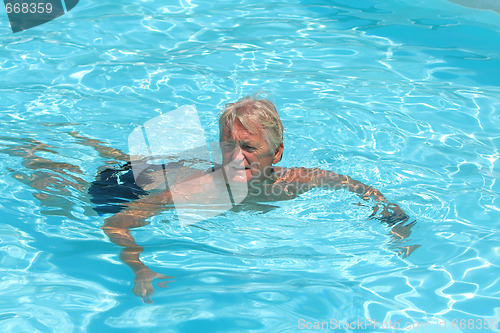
278 154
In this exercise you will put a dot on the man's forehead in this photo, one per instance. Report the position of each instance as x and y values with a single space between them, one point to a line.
241 133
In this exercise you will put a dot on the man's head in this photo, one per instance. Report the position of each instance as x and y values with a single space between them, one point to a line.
251 138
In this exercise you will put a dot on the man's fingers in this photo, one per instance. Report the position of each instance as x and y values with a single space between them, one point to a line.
147 299
163 284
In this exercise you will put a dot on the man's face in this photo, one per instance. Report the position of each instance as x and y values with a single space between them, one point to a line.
246 156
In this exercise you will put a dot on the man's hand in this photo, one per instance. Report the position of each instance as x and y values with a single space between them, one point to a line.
391 214
144 283
395 217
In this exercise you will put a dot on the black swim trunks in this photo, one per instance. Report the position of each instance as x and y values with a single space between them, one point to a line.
114 187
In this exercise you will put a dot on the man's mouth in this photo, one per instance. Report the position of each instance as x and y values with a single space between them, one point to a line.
239 167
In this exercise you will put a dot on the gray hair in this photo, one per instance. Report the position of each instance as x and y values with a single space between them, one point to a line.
255 115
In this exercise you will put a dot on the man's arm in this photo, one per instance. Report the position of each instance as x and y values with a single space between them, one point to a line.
384 211
335 181
117 228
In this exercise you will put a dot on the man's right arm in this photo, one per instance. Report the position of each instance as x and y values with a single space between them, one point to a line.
117 228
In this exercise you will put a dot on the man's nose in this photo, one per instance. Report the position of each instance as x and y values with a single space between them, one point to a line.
237 154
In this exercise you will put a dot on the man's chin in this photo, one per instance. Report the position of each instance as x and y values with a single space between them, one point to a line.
239 177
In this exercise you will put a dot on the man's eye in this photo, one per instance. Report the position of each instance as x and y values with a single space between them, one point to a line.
228 146
249 148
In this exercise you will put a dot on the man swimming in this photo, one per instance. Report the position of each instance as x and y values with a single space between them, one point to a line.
251 142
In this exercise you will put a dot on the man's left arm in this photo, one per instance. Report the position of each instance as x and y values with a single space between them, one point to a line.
384 211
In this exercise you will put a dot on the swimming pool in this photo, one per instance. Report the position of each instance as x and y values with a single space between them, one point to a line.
403 96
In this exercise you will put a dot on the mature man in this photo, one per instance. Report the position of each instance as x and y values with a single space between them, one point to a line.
251 142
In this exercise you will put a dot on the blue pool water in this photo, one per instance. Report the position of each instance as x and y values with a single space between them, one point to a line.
402 95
